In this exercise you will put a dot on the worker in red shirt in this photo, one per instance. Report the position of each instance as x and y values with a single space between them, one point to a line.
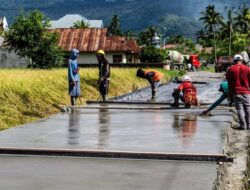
186 92
238 77
153 77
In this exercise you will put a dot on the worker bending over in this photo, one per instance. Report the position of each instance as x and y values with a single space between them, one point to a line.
186 92
153 77
224 89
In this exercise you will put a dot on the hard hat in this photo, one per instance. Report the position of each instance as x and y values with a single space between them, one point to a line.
100 52
237 57
187 78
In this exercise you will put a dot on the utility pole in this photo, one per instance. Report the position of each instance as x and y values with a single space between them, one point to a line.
230 31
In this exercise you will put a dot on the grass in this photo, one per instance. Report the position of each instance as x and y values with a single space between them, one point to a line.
27 95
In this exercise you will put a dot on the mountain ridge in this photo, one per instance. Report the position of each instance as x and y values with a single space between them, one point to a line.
134 14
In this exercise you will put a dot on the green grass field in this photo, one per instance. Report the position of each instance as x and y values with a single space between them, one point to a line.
27 95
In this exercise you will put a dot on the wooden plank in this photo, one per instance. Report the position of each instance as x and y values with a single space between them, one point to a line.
117 154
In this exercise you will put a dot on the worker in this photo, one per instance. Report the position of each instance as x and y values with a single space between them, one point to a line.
104 74
224 89
73 77
186 92
238 77
153 76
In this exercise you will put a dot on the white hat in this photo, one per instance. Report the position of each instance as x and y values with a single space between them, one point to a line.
238 57
187 78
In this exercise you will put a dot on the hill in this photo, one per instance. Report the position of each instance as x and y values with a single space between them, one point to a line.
135 14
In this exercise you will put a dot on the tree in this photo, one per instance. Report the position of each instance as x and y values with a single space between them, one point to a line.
146 37
29 38
212 20
151 54
114 27
243 20
81 24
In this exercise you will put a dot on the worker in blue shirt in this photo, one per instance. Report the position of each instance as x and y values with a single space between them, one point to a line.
73 77
224 89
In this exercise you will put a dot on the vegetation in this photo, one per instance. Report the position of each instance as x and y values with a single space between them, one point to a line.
27 95
29 38
81 24
227 36
152 54
180 16
114 27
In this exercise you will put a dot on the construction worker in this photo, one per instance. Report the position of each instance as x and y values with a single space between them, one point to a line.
153 77
186 92
73 77
104 73
238 77
224 89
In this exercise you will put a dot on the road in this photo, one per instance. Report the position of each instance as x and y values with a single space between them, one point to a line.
135 128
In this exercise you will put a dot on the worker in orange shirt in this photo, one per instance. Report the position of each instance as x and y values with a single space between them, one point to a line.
153 77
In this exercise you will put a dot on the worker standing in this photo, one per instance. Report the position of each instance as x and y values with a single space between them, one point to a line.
238 77
186 92
73 77
153 77
104 74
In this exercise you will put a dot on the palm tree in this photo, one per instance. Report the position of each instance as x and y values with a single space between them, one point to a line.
212 20
114 27
81 24
243 20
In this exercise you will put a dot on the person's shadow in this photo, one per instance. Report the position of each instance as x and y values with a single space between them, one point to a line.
74 127
104 119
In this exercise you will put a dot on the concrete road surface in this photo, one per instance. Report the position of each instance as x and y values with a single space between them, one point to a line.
43 173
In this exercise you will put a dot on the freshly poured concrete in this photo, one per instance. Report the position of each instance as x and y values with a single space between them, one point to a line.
33 173
125 130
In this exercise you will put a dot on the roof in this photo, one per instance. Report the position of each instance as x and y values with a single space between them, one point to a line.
69 20
93 39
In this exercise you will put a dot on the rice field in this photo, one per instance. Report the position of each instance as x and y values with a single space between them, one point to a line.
27 95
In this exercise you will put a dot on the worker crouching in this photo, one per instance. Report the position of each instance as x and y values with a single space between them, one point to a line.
153 76
186 92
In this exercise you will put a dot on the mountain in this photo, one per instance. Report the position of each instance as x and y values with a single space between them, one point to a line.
134 14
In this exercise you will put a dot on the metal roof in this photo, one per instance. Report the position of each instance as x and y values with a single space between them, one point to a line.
69 20
93 39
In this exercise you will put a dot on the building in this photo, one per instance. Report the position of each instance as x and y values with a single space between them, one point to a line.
69 20
90 40
3 24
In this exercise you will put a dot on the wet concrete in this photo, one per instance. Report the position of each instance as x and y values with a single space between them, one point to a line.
45 173
127 130
104 127
207 85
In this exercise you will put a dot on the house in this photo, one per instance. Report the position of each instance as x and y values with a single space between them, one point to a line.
3 24
90 40
69 20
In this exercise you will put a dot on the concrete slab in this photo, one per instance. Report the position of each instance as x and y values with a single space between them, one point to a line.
22 173
125 130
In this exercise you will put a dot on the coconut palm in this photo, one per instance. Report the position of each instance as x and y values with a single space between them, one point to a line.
243 20
114 27
212 21
211 18
81 24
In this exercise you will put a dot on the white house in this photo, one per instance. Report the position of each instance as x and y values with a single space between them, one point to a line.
69 20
